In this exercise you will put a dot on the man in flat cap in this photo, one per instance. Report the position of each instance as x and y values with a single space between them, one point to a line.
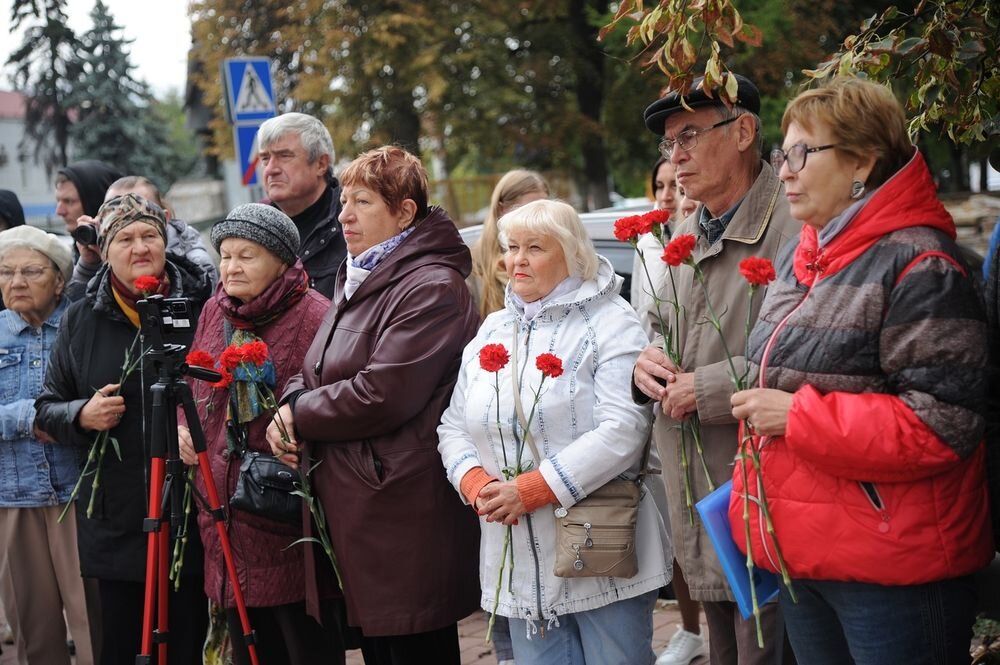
716 153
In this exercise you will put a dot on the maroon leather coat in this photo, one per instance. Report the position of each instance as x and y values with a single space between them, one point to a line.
270 572
374 384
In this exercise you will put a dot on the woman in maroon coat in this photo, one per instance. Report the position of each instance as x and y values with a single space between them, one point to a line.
368 401
263 294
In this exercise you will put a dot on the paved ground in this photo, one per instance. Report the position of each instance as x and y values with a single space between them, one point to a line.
475 650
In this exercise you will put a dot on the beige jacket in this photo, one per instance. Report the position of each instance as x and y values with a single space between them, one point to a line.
761 226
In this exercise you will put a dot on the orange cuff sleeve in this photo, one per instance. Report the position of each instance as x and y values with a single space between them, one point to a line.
534 491
474 480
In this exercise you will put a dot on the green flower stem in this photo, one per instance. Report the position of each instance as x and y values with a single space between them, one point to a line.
496 597
746 534
95 456
103 438
695 426
686 471
267 398
180 544
765 509
715 321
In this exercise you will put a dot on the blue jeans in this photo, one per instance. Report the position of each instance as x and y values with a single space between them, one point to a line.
617 634
839 623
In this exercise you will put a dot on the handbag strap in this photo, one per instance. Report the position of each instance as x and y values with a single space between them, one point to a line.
644 467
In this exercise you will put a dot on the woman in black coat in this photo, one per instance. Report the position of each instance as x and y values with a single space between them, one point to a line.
82 398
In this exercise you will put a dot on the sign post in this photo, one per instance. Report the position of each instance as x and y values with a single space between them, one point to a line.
249 102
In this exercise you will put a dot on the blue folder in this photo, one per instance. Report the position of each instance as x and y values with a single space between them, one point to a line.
714 511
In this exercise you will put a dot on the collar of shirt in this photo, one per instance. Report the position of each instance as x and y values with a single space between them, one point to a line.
713 227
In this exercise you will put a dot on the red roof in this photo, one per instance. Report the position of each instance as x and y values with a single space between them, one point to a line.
11 104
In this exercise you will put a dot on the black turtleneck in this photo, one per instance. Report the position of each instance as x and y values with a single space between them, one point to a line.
309 219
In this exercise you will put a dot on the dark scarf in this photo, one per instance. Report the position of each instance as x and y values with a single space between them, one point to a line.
276 299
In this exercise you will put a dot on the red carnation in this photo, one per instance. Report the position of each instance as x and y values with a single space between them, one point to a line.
200 359
757 271
679 250
550 365
493 357
628 228
146 285
227 378
656 217
231 357
649 221
254 352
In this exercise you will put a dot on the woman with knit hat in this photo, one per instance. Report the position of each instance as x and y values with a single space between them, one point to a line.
82 398
36 473
263 295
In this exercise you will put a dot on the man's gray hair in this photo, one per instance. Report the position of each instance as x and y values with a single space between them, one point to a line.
737 110
314 135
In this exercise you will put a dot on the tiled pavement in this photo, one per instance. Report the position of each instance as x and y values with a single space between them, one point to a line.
475 650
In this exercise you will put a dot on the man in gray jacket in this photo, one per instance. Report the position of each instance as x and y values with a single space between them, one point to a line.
716 153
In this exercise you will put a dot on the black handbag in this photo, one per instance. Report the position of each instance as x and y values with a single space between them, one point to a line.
265 487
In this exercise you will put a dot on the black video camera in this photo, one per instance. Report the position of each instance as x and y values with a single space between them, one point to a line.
159 317
85 234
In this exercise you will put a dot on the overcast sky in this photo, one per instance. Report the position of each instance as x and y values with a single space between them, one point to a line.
161 30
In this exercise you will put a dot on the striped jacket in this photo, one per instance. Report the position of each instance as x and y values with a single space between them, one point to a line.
880 336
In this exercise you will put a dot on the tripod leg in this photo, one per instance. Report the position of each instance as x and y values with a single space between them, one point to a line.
218 515
152 525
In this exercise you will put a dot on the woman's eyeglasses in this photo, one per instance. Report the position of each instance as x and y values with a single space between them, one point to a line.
795 156
29 273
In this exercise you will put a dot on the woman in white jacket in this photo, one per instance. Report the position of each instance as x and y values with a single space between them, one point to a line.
562 299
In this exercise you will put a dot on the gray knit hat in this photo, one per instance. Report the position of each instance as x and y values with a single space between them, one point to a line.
264 225
45 243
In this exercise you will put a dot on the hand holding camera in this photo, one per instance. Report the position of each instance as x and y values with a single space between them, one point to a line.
85 235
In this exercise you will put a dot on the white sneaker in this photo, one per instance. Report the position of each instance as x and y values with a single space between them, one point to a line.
6 635
682 648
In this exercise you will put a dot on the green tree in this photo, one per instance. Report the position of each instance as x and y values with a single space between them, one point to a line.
941 56
42 67
118 120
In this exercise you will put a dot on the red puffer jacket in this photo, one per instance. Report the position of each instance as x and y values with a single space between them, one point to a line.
880 336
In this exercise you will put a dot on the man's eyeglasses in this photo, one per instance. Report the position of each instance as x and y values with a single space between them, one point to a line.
29 273
688 139
795 156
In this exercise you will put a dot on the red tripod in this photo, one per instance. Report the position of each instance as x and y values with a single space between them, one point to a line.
167 476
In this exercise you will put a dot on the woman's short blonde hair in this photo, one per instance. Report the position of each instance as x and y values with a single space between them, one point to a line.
557 219
864 119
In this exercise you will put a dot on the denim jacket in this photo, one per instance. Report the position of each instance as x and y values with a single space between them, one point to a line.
32 474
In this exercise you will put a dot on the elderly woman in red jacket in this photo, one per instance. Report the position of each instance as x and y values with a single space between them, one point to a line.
371 393
869 413
264 295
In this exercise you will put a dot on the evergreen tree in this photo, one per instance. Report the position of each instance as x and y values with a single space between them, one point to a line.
116 122
44 65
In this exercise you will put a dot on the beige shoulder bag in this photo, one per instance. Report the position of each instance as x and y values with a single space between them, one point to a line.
596 536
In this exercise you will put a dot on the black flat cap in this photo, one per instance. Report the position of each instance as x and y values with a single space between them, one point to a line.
747 96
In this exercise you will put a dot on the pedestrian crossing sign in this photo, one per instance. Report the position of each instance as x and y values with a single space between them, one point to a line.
250 92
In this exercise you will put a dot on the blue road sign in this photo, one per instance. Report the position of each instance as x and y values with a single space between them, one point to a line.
245 140
249 88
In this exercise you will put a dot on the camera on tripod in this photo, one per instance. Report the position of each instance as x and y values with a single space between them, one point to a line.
159 317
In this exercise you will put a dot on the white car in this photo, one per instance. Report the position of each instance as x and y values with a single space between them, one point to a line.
600 226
